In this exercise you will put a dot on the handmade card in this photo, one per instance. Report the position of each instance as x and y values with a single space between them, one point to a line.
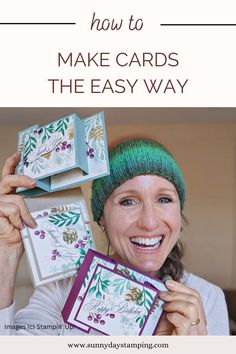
57 247
63 154
113 299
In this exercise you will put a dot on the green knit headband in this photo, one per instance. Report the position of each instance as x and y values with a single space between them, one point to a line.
135 157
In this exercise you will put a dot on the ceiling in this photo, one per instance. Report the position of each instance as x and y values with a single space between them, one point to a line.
118 116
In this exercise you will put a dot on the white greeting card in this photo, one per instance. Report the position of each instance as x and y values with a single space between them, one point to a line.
57 247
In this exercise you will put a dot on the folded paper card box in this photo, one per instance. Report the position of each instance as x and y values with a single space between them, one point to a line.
113 299
63 154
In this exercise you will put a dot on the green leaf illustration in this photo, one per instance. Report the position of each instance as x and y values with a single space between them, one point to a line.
91 290
46 132
104 286
148 302
62 125
64 219
107 282
30 145
82 252
96 276
142 321
80 261
149 295
98 295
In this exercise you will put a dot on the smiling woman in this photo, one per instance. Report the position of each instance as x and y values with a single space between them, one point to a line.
139 204
142 207
142 218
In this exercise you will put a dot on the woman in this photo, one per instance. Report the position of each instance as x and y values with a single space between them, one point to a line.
139 205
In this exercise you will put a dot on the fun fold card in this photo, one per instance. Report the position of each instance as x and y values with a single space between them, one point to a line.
58 245
112 299
63 154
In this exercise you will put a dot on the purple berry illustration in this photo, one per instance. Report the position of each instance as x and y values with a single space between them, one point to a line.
112 315
63 148
25 161
57 149
80 298
55 254
90 152
68 146
76 245
40 233
85 237
96 318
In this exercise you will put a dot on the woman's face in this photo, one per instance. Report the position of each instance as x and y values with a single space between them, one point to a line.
142 219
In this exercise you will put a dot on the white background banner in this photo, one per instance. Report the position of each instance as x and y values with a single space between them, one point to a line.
126 53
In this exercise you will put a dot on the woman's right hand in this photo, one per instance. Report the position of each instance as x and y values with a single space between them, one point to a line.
14 213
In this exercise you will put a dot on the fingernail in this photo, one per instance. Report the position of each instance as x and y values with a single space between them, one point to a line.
163 293
32 181
170 283
32 223
166 277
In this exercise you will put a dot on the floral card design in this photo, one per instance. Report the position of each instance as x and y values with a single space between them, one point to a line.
131 273
116 305
58 246
51 148
64 153
96 152
88 280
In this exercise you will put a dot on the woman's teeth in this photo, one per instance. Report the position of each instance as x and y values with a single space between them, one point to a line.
148 243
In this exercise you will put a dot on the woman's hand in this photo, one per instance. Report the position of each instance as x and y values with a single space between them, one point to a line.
13 216
183 312
13 211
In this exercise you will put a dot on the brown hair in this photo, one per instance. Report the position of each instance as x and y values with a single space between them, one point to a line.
173 265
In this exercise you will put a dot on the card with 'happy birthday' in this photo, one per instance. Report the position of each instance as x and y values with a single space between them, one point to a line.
113 299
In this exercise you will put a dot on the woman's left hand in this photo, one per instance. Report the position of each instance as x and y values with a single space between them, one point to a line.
183 312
